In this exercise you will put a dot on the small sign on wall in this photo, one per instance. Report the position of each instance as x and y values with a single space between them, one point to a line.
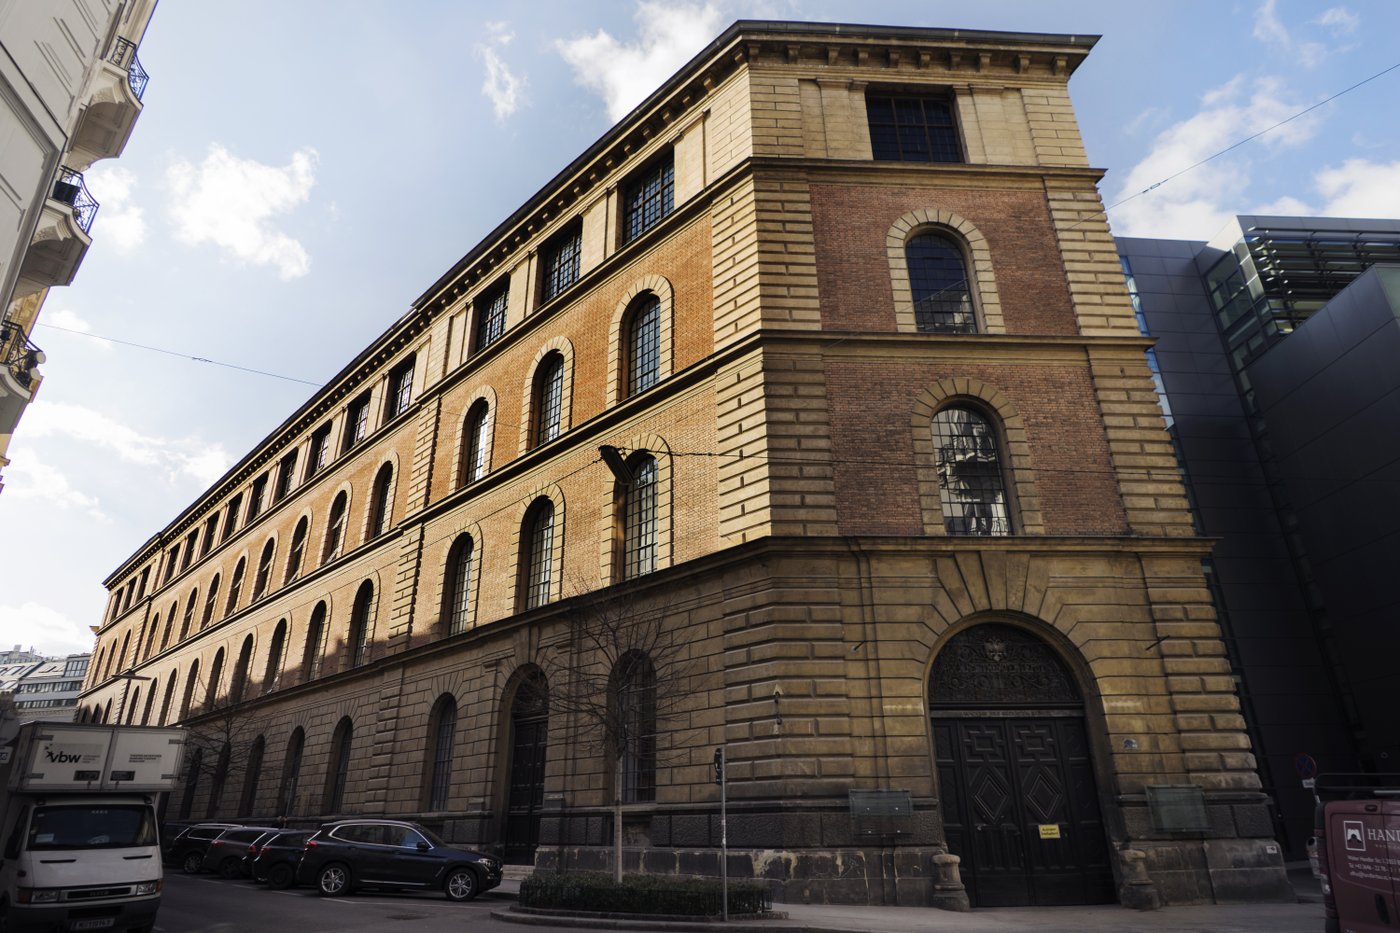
1049 830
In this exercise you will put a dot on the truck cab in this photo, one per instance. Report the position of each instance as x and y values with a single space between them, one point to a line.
79 844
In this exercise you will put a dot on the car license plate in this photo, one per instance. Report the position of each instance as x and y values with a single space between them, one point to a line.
101 923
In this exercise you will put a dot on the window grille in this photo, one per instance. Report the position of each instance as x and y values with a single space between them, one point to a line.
291 774
275 651
639 519
189 614
637 701
440 782
458 585
540 555
939 286
550 394
400 389
286 467
335 534
235 587
474 463
491 317
295 554
253 776
561 265
357 422
359 624
319 455
969 474
315 643
335 801
912 128
209 603
381 502
648 200
230 525
644 346
264 571
255 498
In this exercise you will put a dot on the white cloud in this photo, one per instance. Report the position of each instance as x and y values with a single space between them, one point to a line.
28 477
69 320
123 222
47 629
1360 188
668 35
1197 203
502 87
231 202
181 458
1268 28
1339 20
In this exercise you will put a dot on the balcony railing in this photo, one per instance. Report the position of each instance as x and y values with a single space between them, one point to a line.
17 354
124 56
69 189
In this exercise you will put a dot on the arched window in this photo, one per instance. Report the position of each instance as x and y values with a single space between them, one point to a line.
537 554
335 529
239 683
264 576
130 716
291 773
457 586
476 443
190 683
644 344
970 482
381 501
359 634
441 726
121 655
549 399
251 776
295 554
169 624
235 587
216 790
151 636
276 649
191 783
634 680
639 517
189 613
315 643
341 742
150 702
939 286
209 602
216 673
164 718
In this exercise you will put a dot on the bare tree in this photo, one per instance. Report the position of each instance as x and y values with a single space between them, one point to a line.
623 674
219 745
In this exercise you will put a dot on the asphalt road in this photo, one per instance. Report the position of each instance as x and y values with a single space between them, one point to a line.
207 904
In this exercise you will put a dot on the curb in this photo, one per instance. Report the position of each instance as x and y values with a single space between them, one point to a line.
680 926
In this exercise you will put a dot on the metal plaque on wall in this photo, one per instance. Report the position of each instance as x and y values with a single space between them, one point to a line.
1177 808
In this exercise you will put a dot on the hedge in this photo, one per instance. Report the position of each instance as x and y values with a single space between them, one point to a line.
641 894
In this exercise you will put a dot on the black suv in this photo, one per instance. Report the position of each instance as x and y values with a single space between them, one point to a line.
227 853
189 845
349 854
277 858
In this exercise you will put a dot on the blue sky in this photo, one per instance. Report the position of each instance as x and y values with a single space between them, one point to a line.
303 171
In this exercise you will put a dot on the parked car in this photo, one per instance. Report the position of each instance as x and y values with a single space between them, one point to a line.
277 857
228 850
350 854
188 846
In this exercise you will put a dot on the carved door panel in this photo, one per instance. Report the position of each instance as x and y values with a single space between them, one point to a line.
526 792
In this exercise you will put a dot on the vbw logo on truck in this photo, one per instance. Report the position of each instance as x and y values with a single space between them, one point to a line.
60 757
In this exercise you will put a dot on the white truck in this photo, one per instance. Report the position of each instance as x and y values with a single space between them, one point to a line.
78 825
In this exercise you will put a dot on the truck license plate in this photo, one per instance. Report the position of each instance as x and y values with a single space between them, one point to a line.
101 923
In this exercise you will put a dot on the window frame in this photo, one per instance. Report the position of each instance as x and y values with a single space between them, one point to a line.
457 592
562 263
994 440
476 442
548 393
636 539
318 454
492 309
949 141
637 379
636 215
399 397
356 423
537 554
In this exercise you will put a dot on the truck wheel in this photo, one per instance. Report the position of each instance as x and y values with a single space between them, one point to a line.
460 884
280 876
333 880
191 863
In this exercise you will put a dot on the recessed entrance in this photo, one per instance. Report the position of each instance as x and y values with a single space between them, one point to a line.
1016 783
529 727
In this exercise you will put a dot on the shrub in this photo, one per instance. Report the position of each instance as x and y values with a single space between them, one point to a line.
641 894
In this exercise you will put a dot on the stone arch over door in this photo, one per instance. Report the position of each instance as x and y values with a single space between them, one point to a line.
1015 770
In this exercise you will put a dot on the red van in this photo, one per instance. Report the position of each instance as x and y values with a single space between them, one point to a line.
1358 847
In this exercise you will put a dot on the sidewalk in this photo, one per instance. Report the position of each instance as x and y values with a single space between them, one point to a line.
1303 917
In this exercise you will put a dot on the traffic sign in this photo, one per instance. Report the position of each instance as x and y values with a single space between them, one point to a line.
1304 764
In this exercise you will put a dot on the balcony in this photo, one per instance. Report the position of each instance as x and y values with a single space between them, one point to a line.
61 239
19 373
114 103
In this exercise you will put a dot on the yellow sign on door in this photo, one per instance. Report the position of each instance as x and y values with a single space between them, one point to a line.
1049 830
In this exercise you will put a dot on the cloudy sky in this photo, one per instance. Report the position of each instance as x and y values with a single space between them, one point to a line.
303 171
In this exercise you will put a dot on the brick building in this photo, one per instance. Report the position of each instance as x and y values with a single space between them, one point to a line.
843 303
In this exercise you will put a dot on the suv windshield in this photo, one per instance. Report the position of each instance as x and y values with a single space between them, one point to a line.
91 826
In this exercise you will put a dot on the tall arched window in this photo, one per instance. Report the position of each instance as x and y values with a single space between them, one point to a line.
121 655
359 635
639 517
339 770
151 629
476 442
537 554
970 481
130 715
238 684
315 643
164 718
549 399
644 345
216 673
276 649
209 603
381 501
291 774
251 776
457 586
190 683
335 529
169 624
295 554
220 776
442 724
235 587
191 782
150 702
634 680
939 285
264 576
189 613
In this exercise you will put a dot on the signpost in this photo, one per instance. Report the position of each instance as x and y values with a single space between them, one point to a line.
723 831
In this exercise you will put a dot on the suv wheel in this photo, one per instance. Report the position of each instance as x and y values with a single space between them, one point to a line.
280 876
333 880
230 868
191 863
460 885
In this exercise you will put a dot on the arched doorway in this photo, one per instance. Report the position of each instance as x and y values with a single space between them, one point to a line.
1016 782
529 746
